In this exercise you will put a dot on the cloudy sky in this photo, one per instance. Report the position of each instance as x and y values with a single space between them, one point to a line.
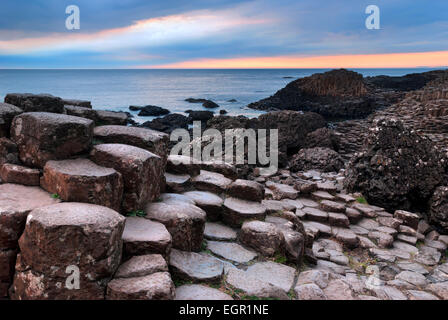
223 34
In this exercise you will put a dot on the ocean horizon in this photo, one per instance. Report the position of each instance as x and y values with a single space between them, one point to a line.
117 89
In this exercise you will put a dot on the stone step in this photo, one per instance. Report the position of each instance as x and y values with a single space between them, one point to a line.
231 251
81 180
13 173
184 221
200 292
246 190
211 203
139 168
218 232
142 236
140 266
191 266
177 182
88 237
59 137
211 181
236 211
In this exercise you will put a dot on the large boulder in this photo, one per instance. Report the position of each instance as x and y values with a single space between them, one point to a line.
168 123
81 180
184 221
140 170
398 169
105 117
323 159
69 237
14 173
7 113
337 94
42 136
16 202
36 102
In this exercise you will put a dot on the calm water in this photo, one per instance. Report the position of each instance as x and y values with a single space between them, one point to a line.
118 89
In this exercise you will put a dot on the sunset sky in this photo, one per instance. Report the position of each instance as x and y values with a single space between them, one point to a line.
223 34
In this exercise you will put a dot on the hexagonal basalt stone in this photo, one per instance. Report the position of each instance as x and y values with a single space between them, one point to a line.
236 211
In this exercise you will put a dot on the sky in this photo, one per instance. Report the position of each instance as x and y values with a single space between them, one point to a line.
223 34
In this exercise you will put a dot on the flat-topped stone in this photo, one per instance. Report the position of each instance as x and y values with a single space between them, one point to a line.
184 221
139 168
58 137
14 173
7 113
200 292
157 286
252 286
219 232
104 117
182 165
231 251
211 181
211 203
227 169
139 266
410 219
177 182
36 102
246 190
282 191
81 180
338 220
236 211
322 195
263 237
77 103
195 267
316 214
87 235
276 274
150 140
142 236
309 203
332 206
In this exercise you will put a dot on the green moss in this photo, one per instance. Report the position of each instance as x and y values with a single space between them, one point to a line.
280 258
361 200
136 213
56 196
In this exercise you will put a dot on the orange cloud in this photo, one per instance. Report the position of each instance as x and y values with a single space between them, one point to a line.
386 60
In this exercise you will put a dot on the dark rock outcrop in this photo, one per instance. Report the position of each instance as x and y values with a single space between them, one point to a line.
438 208
324 138
318 158
337 94
36 102
409 82
150 111
199 115
168 123
7 113
398 168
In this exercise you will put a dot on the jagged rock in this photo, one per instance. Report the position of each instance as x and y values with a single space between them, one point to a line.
337 94
140 266
58 137
246 190
139 168
157 286
195 267
322 138
152 111
263 237
323 159
81 180
398 169
200 292
36 102
13 173
8 152
142 236
207 201
410 219
184 221
168 123
201 115
236 211
438 211
87 236
7 113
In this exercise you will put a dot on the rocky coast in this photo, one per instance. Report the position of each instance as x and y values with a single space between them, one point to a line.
95 206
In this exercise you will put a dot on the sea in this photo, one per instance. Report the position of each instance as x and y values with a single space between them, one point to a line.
118 89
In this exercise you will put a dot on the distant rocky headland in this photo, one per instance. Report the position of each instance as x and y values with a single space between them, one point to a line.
94 206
